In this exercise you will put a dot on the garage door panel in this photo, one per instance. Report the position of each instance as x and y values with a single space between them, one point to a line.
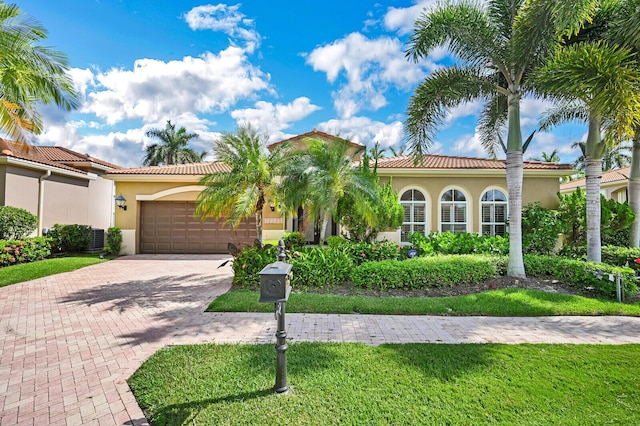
171 227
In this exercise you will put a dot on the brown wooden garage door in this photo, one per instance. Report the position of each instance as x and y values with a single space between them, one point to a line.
170 227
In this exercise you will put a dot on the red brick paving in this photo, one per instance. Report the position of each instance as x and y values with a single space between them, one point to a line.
70 341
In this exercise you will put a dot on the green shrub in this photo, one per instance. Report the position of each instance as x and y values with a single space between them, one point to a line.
336 241
71 238
418 273
16 223
540 229
13 252
294 240
361 252
114 240
615 220
248 264
447 243
319 268
581 274
611 255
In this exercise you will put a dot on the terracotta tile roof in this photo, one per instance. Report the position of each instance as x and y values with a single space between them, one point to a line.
450 162
31 153
65 155
612 176
315 133
196 169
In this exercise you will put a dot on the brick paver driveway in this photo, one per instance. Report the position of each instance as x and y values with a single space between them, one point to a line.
70 341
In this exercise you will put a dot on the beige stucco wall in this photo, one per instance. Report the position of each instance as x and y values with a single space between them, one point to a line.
67 200
542 189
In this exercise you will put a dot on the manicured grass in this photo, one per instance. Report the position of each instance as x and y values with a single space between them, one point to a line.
506 302
42 268
417 384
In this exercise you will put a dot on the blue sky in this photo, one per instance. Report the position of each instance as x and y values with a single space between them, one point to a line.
286 67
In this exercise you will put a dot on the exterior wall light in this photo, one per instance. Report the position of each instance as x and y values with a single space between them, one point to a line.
120 202
272 206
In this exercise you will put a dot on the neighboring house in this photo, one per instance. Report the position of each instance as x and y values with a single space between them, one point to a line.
613 184
444 193
56 184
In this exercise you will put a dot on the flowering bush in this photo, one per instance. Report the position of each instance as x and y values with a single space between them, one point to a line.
13 252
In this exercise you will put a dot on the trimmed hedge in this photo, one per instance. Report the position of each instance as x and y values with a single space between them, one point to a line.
419 273
13 252
581 274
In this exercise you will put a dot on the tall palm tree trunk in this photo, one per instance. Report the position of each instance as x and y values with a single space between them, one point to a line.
593 176
323 228
515 172
633 190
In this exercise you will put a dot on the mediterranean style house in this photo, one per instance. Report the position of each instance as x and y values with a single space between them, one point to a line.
57 185
613 184
442 193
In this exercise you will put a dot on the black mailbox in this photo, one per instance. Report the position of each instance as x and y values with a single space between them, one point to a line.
275 282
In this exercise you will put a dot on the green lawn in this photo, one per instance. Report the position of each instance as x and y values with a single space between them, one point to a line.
417 384
42 268
506 302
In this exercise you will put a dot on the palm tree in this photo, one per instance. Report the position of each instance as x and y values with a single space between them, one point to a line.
547 158
173 149
601 88
30 74
321 176
624 29
241 192
616 157
497 47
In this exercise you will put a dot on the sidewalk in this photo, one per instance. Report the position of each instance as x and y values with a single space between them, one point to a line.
70 341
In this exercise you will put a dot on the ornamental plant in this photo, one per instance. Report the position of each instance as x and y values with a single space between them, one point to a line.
16 223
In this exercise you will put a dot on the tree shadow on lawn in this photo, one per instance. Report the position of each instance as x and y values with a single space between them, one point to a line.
317 372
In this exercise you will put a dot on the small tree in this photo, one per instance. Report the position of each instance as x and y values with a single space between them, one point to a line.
388 213
540 229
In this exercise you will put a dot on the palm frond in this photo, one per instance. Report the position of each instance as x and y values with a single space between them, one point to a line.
463 28
443 89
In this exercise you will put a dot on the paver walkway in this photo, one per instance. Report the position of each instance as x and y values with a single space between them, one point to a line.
70 341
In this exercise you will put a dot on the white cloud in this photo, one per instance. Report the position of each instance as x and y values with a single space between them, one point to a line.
155 90
369 66
469 145
272 119
465 109
402 20
365 131
226 19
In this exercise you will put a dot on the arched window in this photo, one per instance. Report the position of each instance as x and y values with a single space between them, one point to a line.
415 213
493 207
453 211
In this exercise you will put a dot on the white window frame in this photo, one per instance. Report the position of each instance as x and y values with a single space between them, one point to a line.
493 223
412 203
454 204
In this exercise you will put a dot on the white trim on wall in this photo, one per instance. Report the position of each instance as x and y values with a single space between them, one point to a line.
428 209
168 192
469 209
489 188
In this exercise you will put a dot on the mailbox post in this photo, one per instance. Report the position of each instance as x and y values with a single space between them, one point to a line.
275 280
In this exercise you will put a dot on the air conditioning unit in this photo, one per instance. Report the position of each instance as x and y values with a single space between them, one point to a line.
97 240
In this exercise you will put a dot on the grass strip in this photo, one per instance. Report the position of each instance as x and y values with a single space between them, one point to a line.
504 302
416 384
42 268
